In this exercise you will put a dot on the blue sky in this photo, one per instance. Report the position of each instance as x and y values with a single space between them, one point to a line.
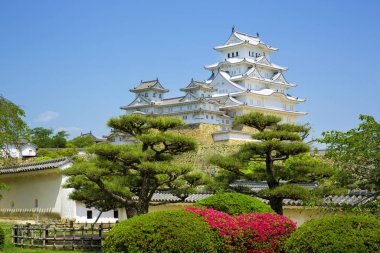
70 64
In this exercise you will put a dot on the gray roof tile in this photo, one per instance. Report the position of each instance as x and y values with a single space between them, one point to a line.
50 164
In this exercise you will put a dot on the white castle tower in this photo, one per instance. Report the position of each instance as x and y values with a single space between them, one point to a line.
244 81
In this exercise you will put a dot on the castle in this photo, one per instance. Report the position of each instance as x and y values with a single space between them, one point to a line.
244 81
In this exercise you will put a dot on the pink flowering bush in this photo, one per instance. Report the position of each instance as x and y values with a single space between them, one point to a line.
254 232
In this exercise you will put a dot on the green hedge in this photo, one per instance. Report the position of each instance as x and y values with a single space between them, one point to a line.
338 234
2 237
165 231
235 203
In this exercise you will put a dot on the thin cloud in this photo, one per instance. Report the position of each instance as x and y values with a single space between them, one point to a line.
47 116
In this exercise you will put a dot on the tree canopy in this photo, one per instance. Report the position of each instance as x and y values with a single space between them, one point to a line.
265 158
44 138
356 153
12 126
128 175
82 141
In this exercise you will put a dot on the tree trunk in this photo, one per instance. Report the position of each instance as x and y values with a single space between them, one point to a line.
276 205
97 218
130 211
275 202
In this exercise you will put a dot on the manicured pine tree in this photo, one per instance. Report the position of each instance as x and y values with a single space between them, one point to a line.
264 158
128 175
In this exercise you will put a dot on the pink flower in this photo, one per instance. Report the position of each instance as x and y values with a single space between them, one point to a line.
254 232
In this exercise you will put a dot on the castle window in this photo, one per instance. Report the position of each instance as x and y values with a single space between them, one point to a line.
89 214
228 55
116 214
206 116
36 203
233 54
160 95
154 94
212 116
237 53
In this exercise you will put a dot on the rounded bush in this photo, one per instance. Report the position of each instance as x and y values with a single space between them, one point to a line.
235 203
337 234
165 231
2 237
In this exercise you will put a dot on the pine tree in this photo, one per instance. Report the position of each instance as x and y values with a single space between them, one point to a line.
128 175
264 157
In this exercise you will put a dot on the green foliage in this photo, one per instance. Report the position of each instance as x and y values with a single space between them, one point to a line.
356 153
234 203
46 154
257 120
41 137
336 234
168 231
114 174
44 138
12 126
82 141
267 159
286 191
2 238
306 168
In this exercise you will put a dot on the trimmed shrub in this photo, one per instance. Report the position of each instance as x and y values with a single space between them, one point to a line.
2 237
254 232
165 231
338 234
235 203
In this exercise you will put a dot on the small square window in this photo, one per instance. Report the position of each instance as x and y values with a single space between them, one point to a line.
89 214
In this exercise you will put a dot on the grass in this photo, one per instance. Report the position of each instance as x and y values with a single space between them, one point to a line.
10 248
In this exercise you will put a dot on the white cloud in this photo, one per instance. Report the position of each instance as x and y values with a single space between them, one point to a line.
47 116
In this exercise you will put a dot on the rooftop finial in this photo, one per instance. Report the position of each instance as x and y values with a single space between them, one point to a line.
233 29
257 35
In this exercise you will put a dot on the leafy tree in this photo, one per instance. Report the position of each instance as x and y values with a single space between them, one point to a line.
41 137
265 159
356 153
44 138
59 140
12 126
82 141
128 175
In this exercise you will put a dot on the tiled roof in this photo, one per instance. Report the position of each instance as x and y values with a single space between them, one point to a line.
148 85
51 164
162 196
255 186
336 200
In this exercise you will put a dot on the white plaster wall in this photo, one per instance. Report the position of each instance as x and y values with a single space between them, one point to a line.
28 150
26 187
222 85
81 214
224 136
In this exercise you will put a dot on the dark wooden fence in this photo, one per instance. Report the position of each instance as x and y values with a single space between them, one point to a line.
68 235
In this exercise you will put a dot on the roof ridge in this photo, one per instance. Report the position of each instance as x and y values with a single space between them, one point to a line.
35 163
